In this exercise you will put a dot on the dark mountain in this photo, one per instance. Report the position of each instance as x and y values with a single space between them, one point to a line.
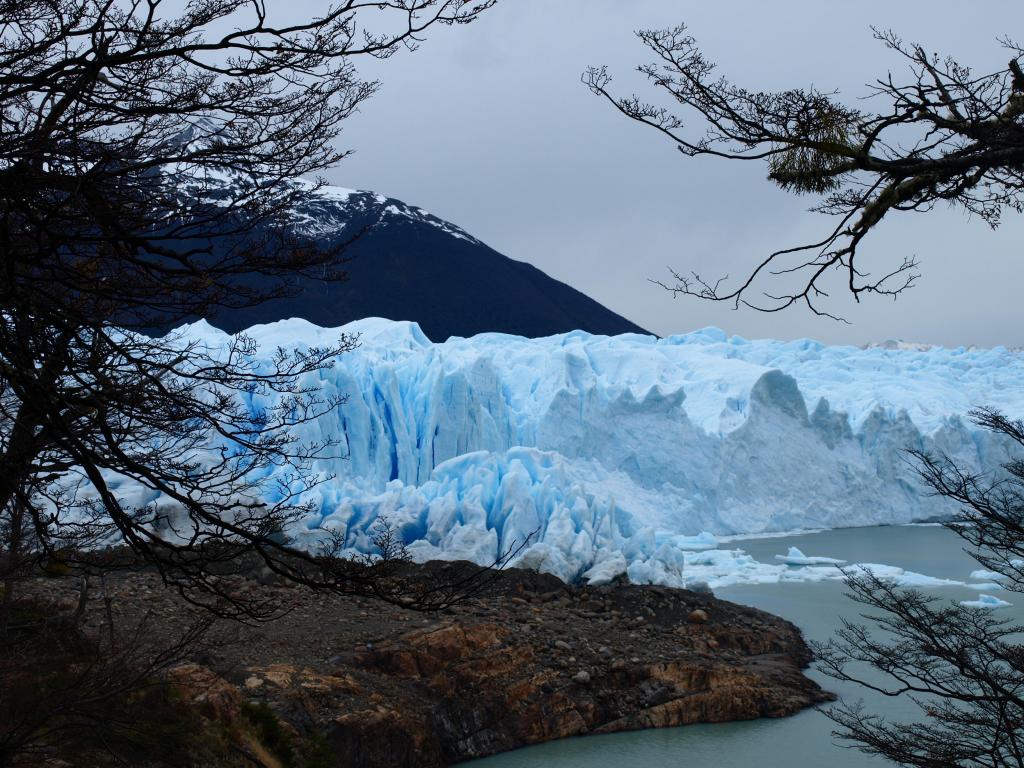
410 265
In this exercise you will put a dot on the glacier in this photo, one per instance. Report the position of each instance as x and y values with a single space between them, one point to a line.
602 456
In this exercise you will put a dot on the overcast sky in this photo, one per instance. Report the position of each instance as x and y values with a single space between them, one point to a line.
489 127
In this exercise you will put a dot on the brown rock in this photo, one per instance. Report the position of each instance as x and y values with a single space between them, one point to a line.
216 697
448 687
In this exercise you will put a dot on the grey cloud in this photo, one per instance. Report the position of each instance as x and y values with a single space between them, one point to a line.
489 127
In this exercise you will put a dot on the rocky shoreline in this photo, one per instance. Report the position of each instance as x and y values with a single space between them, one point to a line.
529 660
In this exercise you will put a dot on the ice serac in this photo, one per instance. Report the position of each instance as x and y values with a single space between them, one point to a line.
630 454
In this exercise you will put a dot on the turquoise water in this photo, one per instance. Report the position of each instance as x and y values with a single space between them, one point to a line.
804 739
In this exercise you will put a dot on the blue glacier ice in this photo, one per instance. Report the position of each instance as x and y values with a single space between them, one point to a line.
631 454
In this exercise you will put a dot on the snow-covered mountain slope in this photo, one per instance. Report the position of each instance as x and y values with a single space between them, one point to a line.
630 453
409 263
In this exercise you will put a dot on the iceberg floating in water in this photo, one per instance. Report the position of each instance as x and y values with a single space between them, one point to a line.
985 601
899 576
604 456
698 543
796 557
989 575
721 568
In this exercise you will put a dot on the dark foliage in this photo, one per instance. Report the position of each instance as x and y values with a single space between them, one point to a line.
63 694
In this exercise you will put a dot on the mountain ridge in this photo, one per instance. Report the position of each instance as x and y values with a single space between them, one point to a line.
408 264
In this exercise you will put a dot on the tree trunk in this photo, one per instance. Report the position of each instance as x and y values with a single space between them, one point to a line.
10 567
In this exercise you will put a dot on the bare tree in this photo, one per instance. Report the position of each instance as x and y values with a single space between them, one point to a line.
963 667
150 161
946 134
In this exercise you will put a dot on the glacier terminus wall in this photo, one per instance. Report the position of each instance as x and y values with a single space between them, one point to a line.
632 454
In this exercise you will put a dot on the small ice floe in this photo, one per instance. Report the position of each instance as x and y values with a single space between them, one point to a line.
796 557
901 577
987 585
702 541
725 568
990 580
985 601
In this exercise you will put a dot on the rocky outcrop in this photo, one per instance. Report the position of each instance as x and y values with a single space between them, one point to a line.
530 660
524 668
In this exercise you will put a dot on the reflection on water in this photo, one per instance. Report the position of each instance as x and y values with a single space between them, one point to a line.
805 739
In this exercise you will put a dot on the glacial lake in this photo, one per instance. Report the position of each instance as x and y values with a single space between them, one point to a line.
804 739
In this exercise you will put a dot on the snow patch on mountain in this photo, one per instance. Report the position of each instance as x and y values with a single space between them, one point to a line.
328 210
319 210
